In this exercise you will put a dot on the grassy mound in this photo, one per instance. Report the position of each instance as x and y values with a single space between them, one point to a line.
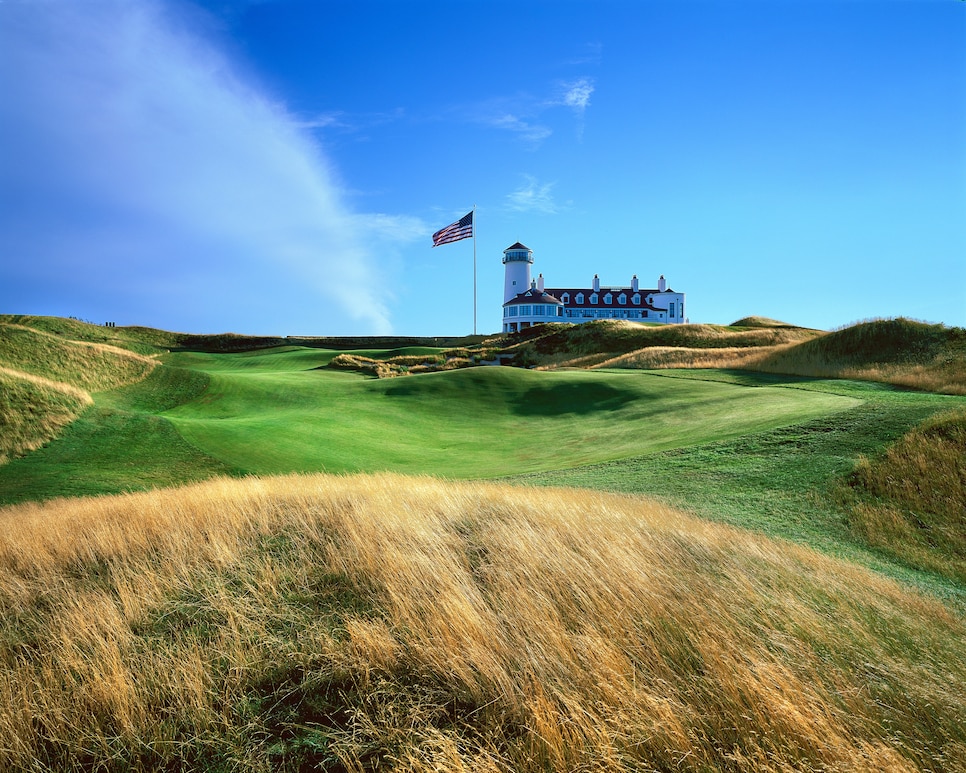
391 366
34 410
141 340
911 501
46 381
759 322
365 623
599 342
85 365
897 351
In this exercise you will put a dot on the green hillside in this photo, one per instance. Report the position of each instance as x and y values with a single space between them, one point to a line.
47 374
279 410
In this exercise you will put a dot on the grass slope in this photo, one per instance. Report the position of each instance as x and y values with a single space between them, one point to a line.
787 482
371 623
275 411
894 351
46 380
911 501
600 341
34 410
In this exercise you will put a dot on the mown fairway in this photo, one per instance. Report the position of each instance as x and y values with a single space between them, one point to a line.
265 414
275 411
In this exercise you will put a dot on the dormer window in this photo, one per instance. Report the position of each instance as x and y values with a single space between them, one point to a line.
593 298
622 299
580 299
608 299
565 297
636 298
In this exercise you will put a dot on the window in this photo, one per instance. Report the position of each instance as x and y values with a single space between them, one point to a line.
524 311
622 299
593 298
636 299
513 311
608 299
670 309
580 299
565 297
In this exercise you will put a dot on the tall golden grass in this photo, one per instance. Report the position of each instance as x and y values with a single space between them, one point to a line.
89 366
942 371
46 380
34 410
381 622
911 502
620 342
401 365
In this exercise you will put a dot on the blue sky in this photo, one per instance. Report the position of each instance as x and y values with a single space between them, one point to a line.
278 167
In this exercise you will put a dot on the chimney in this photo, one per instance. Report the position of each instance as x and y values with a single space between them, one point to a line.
596 284
540 283
661 284
634 283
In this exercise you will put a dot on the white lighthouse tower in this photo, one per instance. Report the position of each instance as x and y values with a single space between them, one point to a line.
517 259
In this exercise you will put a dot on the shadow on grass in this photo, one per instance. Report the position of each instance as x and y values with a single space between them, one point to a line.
577 399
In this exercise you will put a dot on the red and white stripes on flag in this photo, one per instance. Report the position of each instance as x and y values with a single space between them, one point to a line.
461 229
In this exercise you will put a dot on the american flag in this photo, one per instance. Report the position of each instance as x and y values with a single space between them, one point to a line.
461 229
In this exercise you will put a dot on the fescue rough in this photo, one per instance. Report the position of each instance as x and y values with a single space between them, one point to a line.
911 501
382 622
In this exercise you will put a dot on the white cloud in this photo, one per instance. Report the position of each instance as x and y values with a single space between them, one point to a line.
533 197
148 181
576 95
532 133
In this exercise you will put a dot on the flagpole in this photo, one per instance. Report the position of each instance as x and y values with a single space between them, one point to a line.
474 269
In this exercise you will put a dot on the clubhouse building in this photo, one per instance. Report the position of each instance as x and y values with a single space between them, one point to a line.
526 302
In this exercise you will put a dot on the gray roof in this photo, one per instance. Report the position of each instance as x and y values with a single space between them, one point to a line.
533 295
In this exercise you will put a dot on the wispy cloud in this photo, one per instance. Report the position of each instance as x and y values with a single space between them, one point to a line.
523 115
590 54
349 123
532 133
532 196
147 180
576 95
